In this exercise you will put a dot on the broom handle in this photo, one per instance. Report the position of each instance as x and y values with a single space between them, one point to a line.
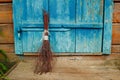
45 20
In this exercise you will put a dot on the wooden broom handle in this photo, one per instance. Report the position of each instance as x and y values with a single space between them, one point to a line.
45 20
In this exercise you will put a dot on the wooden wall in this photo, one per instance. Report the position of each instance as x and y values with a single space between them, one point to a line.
6 26
116 28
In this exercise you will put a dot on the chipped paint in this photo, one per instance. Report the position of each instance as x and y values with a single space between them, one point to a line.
76 25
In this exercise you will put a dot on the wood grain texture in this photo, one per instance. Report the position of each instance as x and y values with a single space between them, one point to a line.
73 12
107 36
32 40
116 14
63 41
5 6
9 48
116 34
5 1
115 48
6 13
6 33
17 12
60 9
89 11
88 40
6 17
116 18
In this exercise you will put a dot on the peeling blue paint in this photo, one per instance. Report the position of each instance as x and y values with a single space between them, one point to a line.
107 36
75 25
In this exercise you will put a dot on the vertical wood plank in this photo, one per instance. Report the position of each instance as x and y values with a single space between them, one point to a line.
45 5
107 36
63 41
90 11
17 12
62 11
88 40
32 11
31 41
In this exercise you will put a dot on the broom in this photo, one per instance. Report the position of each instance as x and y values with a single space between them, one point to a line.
45 55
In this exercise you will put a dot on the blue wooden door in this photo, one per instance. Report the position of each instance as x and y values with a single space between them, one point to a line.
90 14
76 26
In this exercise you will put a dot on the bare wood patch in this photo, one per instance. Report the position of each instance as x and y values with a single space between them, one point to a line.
6 33
9 48
116 48
6 17
5 6
5 1
116 14
116 34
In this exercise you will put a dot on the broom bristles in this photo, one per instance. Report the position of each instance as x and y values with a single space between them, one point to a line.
45 58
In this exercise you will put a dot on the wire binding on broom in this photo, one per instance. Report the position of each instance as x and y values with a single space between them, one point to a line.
43 35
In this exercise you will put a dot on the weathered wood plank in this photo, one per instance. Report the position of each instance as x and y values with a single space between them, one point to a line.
6 17
56 7
116 14
6 13
115 48
88 40
107 36
4 1
7 33
89 11
9 48
17 10
116 34
5 6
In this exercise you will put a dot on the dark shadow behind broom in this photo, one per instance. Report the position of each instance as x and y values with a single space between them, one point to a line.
45 55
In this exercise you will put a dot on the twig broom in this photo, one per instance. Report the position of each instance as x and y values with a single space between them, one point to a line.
45 55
